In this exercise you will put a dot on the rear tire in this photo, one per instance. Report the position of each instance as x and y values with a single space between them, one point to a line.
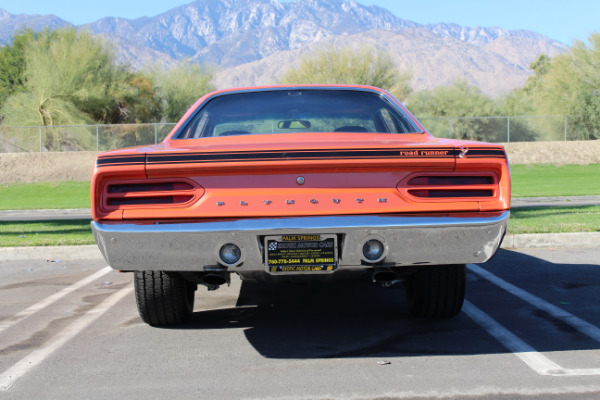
163 298
436 291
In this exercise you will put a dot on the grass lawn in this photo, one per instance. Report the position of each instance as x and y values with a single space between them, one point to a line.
554 220
45 233
549 180
33 196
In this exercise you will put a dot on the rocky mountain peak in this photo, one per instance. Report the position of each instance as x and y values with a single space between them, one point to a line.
238 33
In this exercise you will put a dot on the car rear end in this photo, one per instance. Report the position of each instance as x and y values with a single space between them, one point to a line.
311 204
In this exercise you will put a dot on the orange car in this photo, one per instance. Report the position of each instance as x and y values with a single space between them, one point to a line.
299 182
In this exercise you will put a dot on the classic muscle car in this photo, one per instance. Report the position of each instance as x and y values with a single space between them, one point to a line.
299 182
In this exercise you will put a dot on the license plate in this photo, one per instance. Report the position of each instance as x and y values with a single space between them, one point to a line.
301 254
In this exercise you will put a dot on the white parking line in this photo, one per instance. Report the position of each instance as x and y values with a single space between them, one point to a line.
20 316
536 361
582 326
22 367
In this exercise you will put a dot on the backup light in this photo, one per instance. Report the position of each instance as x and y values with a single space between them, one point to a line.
373 250
230 253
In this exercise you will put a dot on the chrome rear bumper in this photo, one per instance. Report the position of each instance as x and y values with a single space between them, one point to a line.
453 238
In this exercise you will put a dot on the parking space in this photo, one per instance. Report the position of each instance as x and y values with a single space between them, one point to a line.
530 327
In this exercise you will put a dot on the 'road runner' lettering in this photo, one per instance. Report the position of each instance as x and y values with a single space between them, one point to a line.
423 153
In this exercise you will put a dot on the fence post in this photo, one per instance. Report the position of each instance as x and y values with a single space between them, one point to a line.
97 139
155 134
40 139
507 129
450 126
566 128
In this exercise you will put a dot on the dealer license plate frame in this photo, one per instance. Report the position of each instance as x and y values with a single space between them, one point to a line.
301 254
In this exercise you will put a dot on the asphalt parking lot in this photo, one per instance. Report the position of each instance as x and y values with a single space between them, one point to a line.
530 328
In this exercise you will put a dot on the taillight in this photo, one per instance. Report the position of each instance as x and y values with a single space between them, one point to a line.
149 187
148 194
451 193
452 180
151 200
451 186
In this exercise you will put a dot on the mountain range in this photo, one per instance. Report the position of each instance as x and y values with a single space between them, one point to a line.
253 41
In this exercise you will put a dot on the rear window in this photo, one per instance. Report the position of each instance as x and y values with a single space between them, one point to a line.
286 111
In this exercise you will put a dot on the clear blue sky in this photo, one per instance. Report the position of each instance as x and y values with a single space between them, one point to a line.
561 20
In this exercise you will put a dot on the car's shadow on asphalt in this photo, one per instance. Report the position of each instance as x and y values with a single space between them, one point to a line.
361 319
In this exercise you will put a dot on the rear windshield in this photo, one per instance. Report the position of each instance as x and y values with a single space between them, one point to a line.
288 111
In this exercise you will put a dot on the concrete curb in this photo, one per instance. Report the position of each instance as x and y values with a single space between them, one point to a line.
588 240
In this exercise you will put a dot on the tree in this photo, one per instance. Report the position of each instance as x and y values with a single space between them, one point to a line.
178 88
540 68
143 100
515 103
457 100
518 106
71 78
460 101
365 66
12 63
571 87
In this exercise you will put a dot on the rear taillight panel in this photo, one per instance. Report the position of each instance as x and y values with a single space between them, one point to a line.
441 186
151 193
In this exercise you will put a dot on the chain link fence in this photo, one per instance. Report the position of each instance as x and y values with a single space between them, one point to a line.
510 129
79 137
109 137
